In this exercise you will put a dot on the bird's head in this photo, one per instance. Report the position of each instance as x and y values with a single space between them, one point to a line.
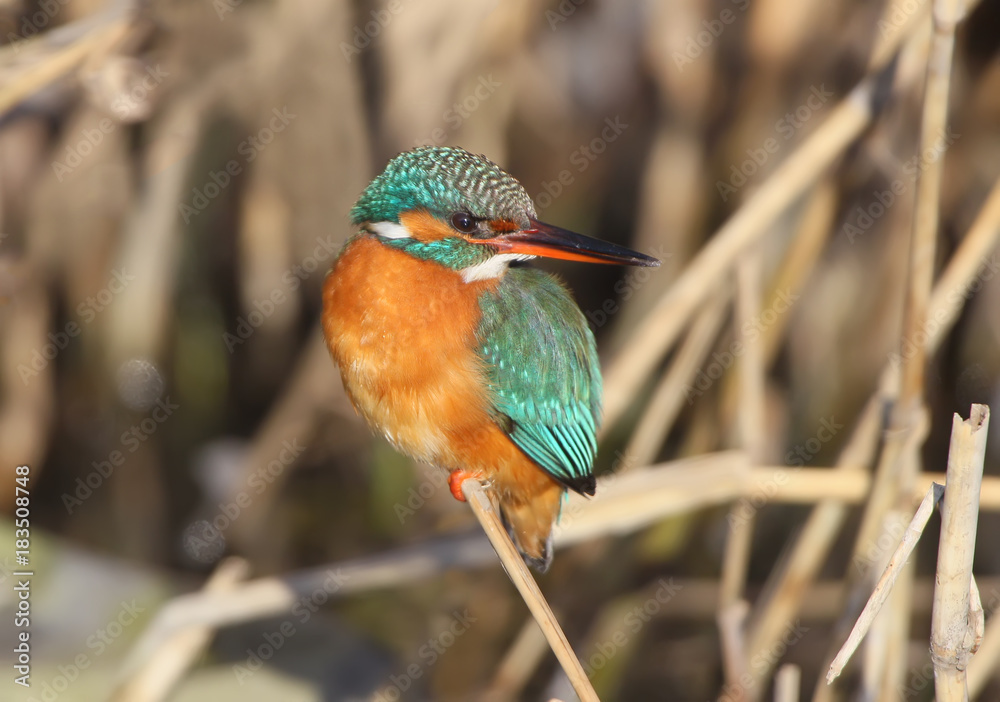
463 211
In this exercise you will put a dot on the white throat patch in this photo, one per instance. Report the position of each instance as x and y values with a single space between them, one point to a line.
493 267
390 230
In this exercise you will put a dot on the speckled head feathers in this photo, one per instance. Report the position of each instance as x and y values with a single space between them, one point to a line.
443 180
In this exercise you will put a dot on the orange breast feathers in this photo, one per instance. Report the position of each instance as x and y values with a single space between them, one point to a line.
402 332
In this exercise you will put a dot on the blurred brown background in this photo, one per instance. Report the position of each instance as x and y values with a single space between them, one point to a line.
175 178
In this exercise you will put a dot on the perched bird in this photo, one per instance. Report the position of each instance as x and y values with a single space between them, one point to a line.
456 352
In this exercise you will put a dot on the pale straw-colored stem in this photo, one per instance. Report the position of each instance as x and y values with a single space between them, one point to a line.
953 635
884 586
156 679
787 683
518 573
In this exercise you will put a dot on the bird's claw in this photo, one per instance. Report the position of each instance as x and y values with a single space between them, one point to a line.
455 480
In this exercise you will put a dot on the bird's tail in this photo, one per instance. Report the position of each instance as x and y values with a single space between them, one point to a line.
529 522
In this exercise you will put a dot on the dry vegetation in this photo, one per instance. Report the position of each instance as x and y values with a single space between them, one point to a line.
210 520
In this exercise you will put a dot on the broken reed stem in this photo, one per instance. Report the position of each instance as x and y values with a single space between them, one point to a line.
953 635
977 616
884 586
947 301
984 664
518 573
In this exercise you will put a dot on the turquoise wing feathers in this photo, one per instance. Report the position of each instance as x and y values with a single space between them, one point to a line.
543 373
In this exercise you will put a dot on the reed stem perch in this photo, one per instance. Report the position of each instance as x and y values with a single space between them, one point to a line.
517 571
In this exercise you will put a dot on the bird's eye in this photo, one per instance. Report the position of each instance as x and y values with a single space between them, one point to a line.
463 222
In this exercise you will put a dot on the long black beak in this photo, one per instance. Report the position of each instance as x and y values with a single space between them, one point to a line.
542 239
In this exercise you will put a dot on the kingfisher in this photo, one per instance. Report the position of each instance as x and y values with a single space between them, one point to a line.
455 350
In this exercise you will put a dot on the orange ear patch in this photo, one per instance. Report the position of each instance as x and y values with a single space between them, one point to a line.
425 227
503 226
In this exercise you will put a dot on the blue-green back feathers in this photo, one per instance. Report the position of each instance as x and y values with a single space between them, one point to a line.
543 372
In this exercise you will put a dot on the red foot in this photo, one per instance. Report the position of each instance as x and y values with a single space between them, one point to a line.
455 480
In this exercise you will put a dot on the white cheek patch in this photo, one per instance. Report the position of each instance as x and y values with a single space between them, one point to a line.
390 230
492 267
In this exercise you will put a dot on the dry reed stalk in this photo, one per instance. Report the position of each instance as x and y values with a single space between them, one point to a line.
640 498
518 664
803 253
947 301
100 34
517 571
946 15
884 586
658 331
787 683
731 622
977 616
164 669
676 484
736 557
901 458
963 269
804 250
985 663
668 397
818 534
953 638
